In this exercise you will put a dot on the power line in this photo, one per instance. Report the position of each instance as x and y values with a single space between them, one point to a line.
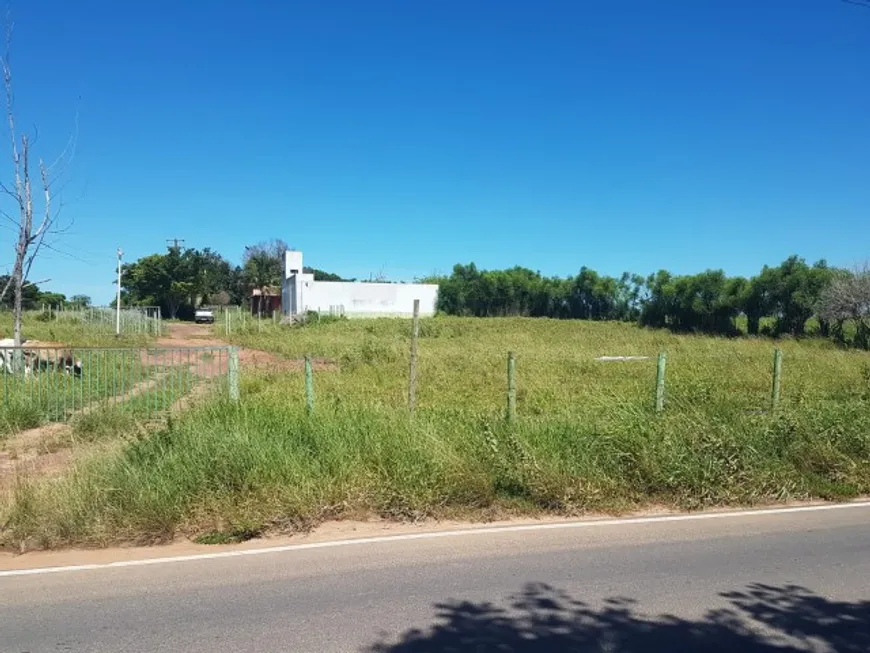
68 255
175 242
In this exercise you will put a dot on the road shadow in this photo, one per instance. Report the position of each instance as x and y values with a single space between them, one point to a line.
759 619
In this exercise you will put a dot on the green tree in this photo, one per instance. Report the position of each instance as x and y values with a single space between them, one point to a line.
795 289
263 263
263 266
261 272
660 301
707 302
177 281
48 298
80 301
30 295
593 297
759 297
322 275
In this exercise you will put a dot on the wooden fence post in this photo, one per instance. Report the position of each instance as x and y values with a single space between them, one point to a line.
512 387
412 375
660 382
777 379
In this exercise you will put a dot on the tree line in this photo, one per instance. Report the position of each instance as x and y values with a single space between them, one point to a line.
790 298
793 298
32 298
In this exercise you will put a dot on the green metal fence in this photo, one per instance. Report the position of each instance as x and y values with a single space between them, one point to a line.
150 381
146 320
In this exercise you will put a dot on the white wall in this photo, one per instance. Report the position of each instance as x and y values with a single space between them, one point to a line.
300 293
359 299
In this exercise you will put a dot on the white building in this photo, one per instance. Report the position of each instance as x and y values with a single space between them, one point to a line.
300 293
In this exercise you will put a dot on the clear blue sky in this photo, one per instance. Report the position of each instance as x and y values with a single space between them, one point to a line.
406 136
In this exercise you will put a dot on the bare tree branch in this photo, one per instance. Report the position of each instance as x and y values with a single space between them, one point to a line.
70 147
38 237
31 237
6 287
10 113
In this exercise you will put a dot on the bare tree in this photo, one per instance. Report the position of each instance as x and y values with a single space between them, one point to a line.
273 249
34 217
848 298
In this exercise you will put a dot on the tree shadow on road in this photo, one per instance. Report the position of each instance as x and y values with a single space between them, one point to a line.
760 619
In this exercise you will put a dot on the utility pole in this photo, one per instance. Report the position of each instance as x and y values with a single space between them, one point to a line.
175 242
118 312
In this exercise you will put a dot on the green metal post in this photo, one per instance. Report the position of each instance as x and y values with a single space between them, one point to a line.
512 387
412 374
777 379
166 372
65 378
233 373
309 385
660 382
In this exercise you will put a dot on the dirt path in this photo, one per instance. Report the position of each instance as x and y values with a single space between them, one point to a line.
182 334
194 335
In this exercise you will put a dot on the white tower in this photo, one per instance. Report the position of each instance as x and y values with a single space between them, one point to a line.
291 290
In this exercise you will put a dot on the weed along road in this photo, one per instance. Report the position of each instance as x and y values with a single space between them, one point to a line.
775 580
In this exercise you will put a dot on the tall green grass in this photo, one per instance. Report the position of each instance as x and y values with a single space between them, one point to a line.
72 331
261 466
18 414
587 437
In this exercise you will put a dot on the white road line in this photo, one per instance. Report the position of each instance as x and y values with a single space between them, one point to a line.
289 548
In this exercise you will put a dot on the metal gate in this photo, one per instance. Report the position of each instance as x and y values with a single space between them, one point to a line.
60 382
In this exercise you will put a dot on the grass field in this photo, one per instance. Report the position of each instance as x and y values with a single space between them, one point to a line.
462 366
587 437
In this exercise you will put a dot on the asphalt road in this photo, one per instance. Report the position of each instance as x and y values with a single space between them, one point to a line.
751 584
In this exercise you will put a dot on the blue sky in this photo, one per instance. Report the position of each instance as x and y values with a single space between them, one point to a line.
405 136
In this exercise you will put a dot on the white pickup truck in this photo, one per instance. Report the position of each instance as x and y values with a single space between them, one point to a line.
203 316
